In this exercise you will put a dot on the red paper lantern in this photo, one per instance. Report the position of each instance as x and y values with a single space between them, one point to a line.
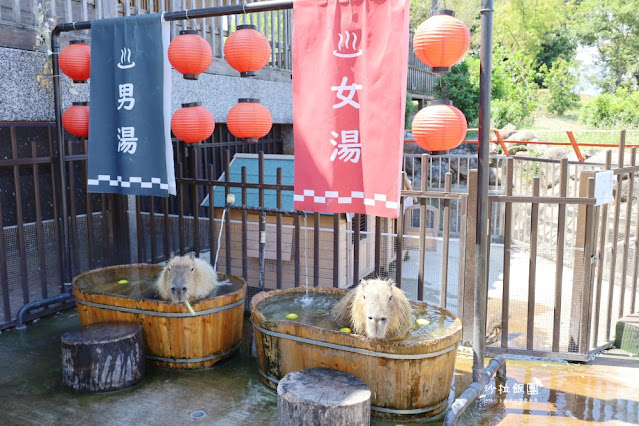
190 54
441 41
75 61
192 123
440 126
249 120
75 119
247 50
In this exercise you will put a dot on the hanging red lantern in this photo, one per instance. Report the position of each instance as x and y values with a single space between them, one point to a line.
247 50
439 127
249 120
441 41
190 54
75 61
192 123
75 119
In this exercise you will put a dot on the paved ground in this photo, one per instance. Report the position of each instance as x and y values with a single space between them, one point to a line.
230 393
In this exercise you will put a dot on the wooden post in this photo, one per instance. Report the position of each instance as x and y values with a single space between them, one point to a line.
466 299
103 357
615 233
579 267
321 396
532 267
448 185
626 241
508 220
559 260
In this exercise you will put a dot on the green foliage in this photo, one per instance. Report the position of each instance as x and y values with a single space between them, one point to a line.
619 109
559 44
513 89
411 109
561 81
613 28
520 25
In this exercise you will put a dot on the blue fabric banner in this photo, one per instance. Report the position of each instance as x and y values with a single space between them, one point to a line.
130 109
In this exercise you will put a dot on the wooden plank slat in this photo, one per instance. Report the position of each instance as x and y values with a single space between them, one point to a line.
278 222
532 270
89 211
422 232
42 265
559 258
626 241
244 225
590 238
615 235
448 184
336 251
17 188
316 251
508 214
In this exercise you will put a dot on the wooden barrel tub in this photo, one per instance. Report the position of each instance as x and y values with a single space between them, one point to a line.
409 380
174 338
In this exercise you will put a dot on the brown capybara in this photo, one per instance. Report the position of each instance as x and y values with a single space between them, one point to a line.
375 308
186 278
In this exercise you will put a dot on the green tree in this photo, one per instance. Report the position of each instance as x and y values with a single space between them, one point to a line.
466 10
513 88
613 28
561 80
522 25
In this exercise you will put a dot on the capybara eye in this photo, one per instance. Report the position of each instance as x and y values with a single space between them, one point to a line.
172 289
192 269
183 288
363 297
370 318
168 269
390 298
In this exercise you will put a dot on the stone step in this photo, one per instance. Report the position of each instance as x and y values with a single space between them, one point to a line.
627 334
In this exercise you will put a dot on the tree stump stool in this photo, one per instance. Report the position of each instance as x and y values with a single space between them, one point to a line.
103 357
321 396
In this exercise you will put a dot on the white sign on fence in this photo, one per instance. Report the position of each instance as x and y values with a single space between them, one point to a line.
603 187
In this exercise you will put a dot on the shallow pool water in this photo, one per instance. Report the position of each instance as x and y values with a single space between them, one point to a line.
317 312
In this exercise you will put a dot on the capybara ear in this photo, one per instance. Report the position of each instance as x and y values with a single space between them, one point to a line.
171 255
363 283
390 283
192 255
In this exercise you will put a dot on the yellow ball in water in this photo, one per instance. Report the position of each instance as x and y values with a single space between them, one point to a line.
123 282
422 321
292 316
346 330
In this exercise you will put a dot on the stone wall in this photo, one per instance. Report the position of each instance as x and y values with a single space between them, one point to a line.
24 100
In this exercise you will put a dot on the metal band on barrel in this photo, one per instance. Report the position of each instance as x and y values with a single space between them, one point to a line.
186 360
160 314
355 350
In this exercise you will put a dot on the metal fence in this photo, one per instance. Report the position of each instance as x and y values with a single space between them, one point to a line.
31 237
558 299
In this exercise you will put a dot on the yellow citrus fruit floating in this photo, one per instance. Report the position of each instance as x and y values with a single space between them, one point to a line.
292 316
422 321
346 330
123 282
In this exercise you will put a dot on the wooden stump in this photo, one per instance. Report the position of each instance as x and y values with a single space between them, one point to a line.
103 357
320 396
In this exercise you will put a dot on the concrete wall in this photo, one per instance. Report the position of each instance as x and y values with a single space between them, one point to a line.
24 100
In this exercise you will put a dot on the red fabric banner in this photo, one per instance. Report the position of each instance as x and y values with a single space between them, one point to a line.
350 64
